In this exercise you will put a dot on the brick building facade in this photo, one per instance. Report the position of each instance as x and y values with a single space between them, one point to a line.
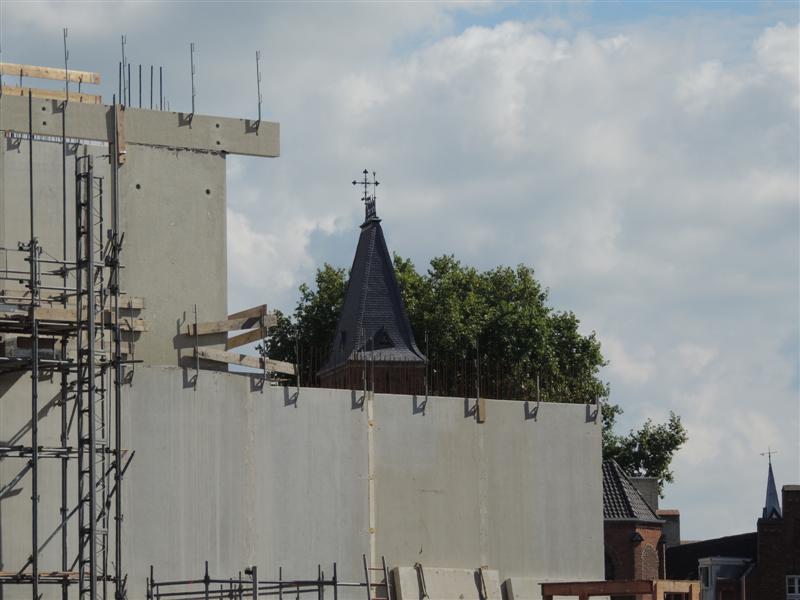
763 565
778 553
632 532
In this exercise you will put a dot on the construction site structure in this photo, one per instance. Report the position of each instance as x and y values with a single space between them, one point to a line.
65 318
127 388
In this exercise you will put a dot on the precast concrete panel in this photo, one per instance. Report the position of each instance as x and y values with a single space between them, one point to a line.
238 475
520 493
48 199
174 252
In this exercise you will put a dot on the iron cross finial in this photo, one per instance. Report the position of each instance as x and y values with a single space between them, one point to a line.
369 201
769 454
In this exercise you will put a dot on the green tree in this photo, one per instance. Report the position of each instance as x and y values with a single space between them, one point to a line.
646 452
498 319
308 335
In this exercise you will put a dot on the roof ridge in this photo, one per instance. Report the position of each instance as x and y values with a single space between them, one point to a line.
625 496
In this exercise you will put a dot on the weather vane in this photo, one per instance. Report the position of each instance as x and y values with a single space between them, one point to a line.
369 201
769 454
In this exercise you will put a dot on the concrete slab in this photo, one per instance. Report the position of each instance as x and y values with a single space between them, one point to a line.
144 127
445 584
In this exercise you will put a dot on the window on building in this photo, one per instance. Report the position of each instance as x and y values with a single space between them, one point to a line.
793 587
704 577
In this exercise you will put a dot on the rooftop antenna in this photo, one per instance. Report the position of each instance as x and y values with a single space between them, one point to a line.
191 61
258 82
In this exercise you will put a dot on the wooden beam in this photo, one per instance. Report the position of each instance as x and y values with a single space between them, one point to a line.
245 338
13 90
228 325
597 588
243 360
256 311
48 73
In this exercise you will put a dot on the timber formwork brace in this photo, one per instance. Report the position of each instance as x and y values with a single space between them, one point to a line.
90 380
251 587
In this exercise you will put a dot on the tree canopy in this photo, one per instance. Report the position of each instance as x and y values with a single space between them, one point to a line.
646 452
496 323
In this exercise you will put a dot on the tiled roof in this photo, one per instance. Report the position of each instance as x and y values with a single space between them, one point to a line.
621 500
373 324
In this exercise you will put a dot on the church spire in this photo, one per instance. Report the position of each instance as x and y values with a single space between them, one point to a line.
772 507
373 328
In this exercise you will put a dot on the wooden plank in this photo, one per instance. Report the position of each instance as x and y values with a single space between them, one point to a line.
243 360
228 325
245 338
13 90
256 311
597 588
48 73
675 586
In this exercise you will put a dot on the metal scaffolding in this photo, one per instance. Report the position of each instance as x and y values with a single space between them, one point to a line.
64 322
251 587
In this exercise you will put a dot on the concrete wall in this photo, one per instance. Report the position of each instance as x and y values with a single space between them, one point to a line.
235 476
172 212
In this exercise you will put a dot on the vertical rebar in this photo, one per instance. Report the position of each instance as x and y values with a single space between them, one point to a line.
258 82
124 89
128 103
191 61
151 87
140 86
160 88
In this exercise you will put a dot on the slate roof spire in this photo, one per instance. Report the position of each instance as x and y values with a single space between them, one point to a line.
373 324
772 506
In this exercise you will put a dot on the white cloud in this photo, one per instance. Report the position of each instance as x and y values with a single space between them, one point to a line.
648 171
631 367
652 183
778 48
82 18
694 357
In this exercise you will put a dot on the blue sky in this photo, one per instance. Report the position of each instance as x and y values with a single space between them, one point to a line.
642 157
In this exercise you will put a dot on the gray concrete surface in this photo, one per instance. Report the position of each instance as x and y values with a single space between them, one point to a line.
173 215
146 127
235 476
445 584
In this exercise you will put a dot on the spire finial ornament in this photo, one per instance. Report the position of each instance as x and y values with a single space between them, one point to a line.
369 201
769 454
